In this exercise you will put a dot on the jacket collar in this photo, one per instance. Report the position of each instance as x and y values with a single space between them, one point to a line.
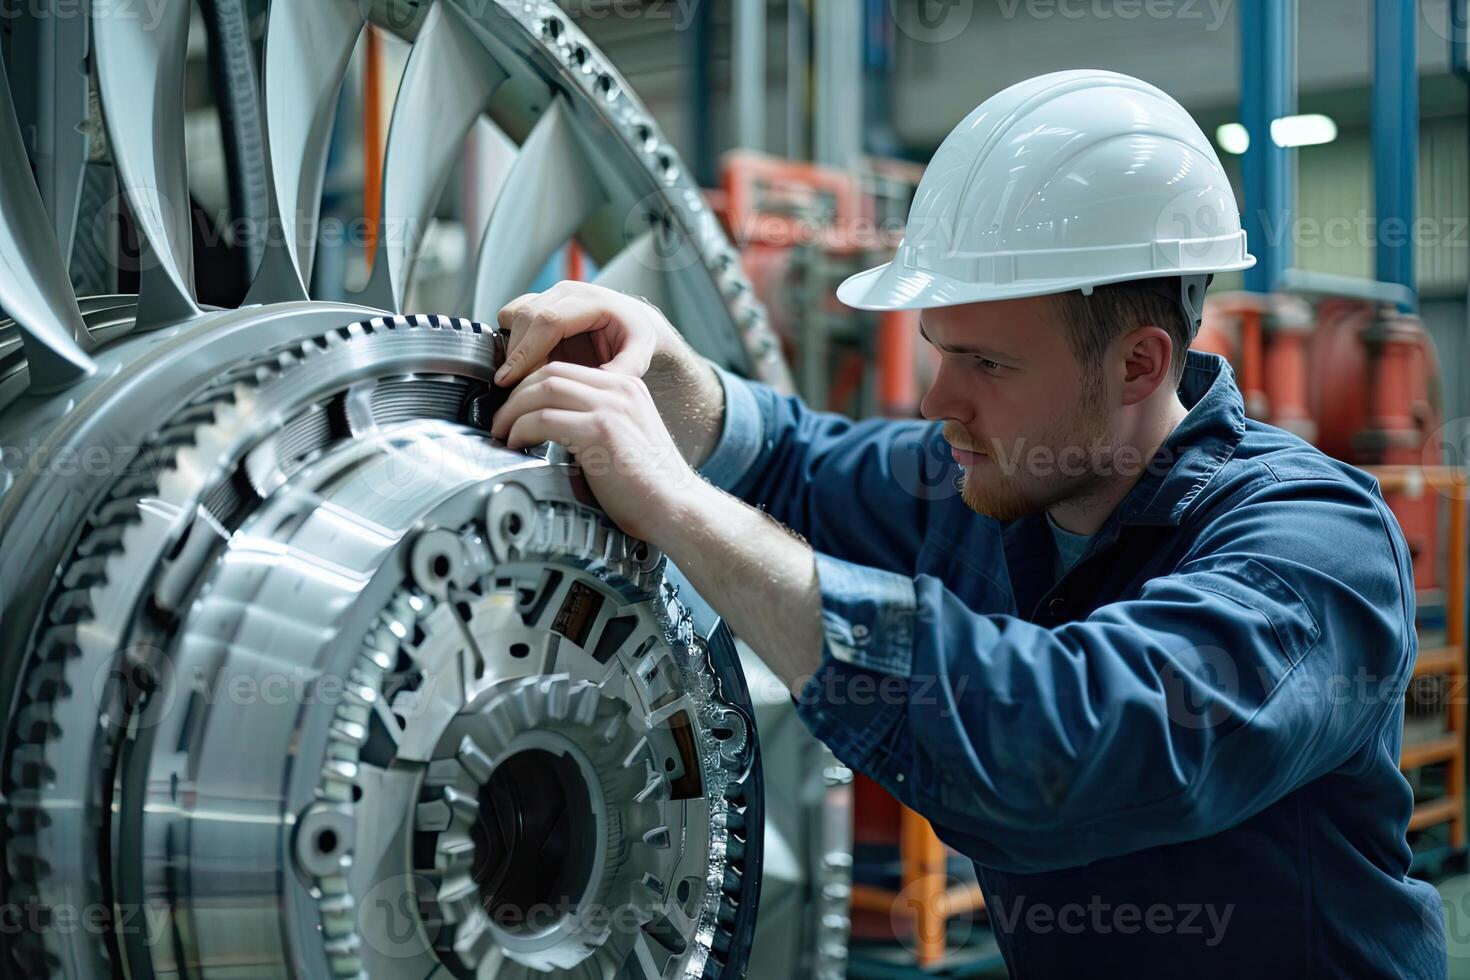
1196 449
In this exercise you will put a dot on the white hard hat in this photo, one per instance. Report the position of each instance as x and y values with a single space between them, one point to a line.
1065 181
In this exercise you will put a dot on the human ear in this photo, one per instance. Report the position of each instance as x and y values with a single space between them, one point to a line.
1146 353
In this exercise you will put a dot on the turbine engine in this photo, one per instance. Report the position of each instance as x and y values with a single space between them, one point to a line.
305 675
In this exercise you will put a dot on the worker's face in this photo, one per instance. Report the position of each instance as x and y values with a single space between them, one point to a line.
1022 417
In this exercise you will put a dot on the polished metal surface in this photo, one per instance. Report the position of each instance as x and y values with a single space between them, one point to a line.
305 675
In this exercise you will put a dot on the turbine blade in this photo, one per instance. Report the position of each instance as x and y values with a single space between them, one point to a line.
34 286
549 193
638 270
140 70
308 46
447 83
277 280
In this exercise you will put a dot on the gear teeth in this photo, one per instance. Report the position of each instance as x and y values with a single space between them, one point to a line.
502 729
34 723
458 897
30 767
584 705
557 700
101 541
71 606
475 761
49 686
86 573
473 938
462 805
432 815
457 855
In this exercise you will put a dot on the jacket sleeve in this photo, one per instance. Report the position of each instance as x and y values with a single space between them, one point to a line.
1279 645
855 490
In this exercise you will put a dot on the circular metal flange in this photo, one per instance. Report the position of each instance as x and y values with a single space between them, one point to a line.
302 493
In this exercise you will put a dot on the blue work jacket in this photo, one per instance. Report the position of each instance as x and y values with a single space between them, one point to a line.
1179 759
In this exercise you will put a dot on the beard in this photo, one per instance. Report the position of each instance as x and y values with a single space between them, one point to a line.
1002 485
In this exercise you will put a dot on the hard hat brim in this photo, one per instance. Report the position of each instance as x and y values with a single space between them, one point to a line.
891 287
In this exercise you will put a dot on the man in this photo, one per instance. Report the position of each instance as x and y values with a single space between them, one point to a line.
1147 669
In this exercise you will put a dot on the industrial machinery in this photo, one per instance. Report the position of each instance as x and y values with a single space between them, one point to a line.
305 675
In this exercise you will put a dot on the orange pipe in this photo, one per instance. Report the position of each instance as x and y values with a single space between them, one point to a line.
1252 371
372 142
1285 381
897 368
576 261
924 883
1455 634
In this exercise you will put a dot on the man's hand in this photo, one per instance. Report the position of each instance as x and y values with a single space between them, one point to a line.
609 422
581 323
578 323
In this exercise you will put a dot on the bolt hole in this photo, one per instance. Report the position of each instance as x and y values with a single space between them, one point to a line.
440 566
605 86
326 841
669 765
580 55
722 733
551 28
520 651
683 892
512 525
640 553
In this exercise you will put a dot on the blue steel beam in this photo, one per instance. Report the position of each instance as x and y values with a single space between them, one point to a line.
1395 138
1460 38
1267 92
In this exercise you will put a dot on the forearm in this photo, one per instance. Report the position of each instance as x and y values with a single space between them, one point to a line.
760 577
690 398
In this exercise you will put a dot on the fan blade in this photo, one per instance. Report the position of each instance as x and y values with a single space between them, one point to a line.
446 85
308 46
140 71
638 270
546 197
34 286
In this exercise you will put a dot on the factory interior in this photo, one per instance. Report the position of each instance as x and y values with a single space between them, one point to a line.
308 675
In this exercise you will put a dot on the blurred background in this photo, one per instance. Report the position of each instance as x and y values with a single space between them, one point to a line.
807 123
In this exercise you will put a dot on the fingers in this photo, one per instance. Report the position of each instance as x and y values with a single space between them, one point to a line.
506 316
539 322
633 358
544 390
569 428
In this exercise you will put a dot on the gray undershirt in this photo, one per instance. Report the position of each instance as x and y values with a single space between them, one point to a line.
1070 547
